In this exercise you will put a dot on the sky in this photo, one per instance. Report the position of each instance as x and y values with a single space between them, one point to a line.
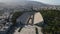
53 2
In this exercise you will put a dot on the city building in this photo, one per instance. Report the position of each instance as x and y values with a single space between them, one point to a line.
4 24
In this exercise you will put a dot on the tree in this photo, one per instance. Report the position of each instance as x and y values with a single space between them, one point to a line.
52 20
15 16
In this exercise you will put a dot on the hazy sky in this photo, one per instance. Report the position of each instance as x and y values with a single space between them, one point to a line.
55 2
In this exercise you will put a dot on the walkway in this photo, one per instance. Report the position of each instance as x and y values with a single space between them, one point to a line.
29 30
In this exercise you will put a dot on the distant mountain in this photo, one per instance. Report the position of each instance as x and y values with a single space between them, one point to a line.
35 4
25 4
39 4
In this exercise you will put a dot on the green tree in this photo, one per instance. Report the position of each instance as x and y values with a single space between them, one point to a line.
52 20
15 16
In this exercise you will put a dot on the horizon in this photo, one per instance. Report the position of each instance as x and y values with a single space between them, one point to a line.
51 2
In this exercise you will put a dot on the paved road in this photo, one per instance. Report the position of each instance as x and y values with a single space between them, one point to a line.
25 17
